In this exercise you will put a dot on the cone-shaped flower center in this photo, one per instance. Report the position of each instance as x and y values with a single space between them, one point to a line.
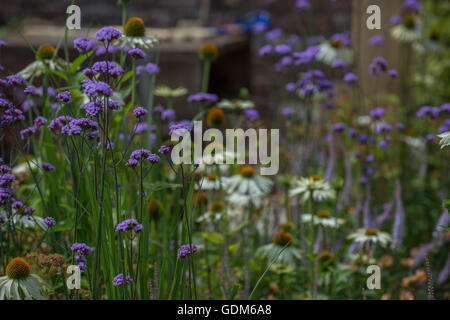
215 117
45 52
371 232
282 238
323 214
217 206
18 268
155 209
212 177
247 171
134 27
209 51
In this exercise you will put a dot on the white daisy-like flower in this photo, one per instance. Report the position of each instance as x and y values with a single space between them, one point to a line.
370 235
144 42
329 53
212 182
215 212
410 30
236 104
247 187
169 93
38 67
282 252
313 186
323 218
135 35
28 221
19 283
445 139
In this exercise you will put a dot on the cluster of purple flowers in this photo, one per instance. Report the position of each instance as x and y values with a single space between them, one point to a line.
185 250
93 88
107 34
413 6
83 250
11 114
76 126
180 127
50 222
38 123
202 97
119 280
83 44
6 178
165 114
312 82
252 114
140 112
64 96
136 53
434 113
378 66
141 155
47 167
164 149
129 225
149 68
106 67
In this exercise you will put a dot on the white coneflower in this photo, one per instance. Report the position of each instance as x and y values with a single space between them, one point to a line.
314 186
236 104
169 93
45 60
282 252
215 212
445 139
248 188
323 218
212 182
410 30
370 235
19 283
134 35
333 50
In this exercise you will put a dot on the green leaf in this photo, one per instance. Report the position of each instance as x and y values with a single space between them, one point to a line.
214 237
78 61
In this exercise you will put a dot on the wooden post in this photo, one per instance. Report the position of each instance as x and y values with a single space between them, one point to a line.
364 52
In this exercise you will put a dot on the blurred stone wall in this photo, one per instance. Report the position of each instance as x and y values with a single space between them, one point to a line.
328 16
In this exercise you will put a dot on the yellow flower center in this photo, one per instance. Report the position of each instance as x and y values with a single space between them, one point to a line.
371 232
435 35
325 256
315 177
155 209
409 21
134 27
285 227
215 117
45 52
336 43
200 198
282 238
323 214
209 52
212 177
217 206
18 268
247 171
